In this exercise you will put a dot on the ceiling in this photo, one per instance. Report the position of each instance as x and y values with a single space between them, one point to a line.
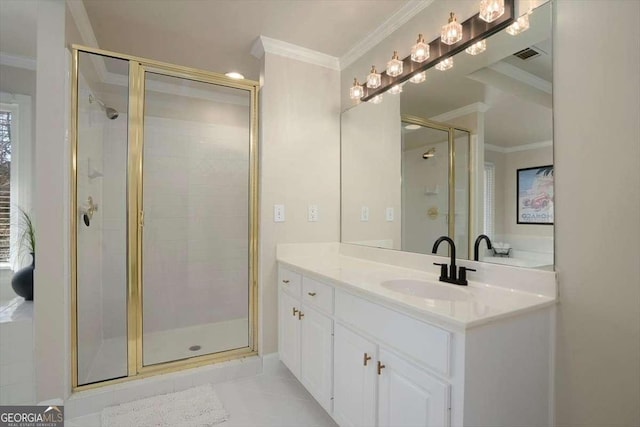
218 35
18 22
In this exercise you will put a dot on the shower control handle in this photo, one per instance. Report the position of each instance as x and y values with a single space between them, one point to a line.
285 282
312 294
295 311
300 315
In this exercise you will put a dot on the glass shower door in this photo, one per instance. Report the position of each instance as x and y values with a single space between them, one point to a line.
196 206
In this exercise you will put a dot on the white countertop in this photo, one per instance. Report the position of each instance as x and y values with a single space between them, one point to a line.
475 304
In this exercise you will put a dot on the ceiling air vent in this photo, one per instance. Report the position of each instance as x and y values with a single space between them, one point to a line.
526 54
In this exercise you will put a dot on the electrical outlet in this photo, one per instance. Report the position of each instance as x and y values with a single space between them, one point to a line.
389 214
278 213
364 213
313 213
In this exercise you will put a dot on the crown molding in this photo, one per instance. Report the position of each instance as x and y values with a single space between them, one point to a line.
525 147
395 21
476 107
289 50
17 61
522 76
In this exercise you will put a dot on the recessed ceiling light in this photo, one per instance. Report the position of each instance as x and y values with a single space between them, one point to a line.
234 75
412 127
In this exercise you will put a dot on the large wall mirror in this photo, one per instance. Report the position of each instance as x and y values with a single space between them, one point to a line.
469 151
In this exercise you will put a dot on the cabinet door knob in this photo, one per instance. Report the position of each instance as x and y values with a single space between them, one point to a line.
285 281
380 367
300 315
295 311
312 294
366 358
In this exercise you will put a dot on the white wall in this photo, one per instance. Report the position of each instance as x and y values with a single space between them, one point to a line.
372 173
51 279
597 177
300 165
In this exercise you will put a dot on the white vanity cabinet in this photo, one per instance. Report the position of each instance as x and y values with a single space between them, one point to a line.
305 334
369 363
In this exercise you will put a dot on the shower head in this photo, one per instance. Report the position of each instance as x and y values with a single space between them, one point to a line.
431 152
111 113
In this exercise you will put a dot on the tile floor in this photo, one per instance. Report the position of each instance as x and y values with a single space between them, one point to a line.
271 399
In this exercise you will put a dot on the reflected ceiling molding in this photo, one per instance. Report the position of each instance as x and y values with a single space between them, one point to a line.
522 76
17 61
265 44
395 21
525 147
476 107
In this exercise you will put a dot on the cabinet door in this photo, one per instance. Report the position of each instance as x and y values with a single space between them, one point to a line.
289 332
408 396
316 351
354 379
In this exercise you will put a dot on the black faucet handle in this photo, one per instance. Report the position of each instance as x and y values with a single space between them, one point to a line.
443 270
462 275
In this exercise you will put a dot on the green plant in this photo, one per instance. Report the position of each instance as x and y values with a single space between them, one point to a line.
27 232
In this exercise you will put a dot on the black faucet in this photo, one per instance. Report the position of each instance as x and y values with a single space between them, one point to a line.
476 246
451 276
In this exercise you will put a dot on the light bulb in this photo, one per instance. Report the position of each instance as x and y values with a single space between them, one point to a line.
445 64
394 67
477 48
419 78
420 50
373 79
490 10
376 99
452 32
395 89
520 26
356 90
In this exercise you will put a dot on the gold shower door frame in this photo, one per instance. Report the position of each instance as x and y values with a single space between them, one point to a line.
451 130
135 215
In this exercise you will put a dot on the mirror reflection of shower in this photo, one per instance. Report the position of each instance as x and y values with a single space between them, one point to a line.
111 113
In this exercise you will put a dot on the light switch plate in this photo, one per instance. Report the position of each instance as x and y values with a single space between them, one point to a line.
313 213
388 214
364 213
278 213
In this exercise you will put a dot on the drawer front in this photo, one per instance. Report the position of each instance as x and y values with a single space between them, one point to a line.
317 294
426 344
290 282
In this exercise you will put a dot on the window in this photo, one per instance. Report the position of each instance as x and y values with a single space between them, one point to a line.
5 185
489 199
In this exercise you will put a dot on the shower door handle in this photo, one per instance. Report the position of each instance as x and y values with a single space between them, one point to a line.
141 219
295 311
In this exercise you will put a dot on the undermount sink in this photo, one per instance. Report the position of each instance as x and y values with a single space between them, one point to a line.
422 289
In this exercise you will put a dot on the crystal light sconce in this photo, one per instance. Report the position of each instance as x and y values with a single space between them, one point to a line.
520 26
494 16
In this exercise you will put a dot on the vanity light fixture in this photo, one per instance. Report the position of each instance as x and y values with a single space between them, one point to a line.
394 67
234 75
445 64
490 10
455 37
520 26
477 48
419 78
356 90
452 32
373 79
376 99
396 89
420 50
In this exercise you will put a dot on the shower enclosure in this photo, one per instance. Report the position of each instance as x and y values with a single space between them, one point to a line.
435 185
164 224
